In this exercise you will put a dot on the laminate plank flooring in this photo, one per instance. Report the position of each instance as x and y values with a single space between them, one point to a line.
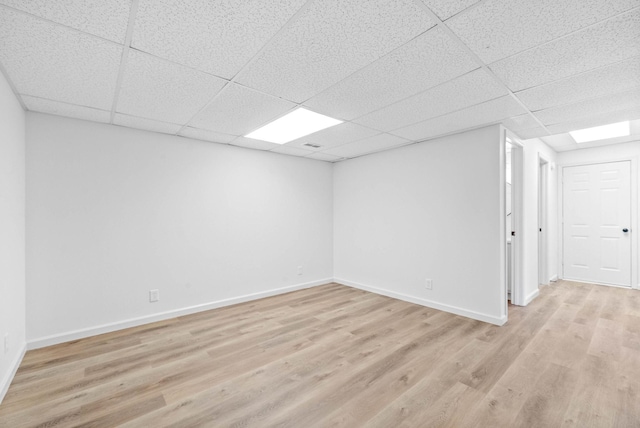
334 356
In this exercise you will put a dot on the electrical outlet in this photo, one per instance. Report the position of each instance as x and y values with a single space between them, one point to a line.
428 284
154 295
6 343
299 270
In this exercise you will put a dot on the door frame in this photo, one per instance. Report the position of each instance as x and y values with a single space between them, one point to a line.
517 244
544 165
635 231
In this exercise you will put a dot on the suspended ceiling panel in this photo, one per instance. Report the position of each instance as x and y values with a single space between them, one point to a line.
395 71
218 37
328 41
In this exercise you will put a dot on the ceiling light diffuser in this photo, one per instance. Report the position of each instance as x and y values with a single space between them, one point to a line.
291 126
620 129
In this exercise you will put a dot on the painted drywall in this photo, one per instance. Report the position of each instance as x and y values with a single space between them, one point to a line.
615 152
12 234
430 210
533 150
114 212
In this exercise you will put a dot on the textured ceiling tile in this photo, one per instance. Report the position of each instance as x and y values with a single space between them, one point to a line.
330 40
591 107
536 132
424 62
518 123
104 18
250 143
205 135
447 8
238 110
368 145
338 135
164 91
325 157
472 88
497 29
294 151
53 62
558 140
146 124
602 44
609 79
63 109
219 37
595 120
481 114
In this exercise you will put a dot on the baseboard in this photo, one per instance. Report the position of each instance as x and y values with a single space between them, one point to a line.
6 382
528 299
134 322
554 278
424 302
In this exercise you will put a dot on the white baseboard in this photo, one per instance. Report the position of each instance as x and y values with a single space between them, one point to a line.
528 299
134 322
6 381
424 302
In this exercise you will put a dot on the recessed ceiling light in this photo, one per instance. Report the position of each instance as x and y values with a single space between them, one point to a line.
291 126
620 129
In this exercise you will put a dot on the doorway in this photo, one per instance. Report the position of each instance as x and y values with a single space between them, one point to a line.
596 234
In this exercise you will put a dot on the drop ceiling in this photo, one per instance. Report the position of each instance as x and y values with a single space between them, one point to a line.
395 71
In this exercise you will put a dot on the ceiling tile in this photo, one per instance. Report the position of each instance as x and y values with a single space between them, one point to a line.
536 132
595 120
325 157
238 110
481 114
447 8
330 40
165 91
57 63
609 79
614 40
496 29
424 62
294 151
467 90
205 135
558 140
517 123
63 109
107 19
591 107
368 145
219 37
146 124
253 144
338 135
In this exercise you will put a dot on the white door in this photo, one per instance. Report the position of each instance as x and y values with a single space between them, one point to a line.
597 222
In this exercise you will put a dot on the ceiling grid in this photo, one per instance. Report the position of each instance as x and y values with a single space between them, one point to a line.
396 72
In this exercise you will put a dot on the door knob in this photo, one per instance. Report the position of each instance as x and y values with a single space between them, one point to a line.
625 230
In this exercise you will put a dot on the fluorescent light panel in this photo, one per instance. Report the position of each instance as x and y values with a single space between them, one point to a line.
291 126
620 129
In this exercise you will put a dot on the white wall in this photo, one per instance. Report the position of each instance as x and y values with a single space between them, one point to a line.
429 210
611 153
533 149
114 212
12 233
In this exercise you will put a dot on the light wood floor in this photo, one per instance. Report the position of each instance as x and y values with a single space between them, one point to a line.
337 356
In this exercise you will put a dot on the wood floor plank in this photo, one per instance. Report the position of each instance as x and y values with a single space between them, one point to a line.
335 356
